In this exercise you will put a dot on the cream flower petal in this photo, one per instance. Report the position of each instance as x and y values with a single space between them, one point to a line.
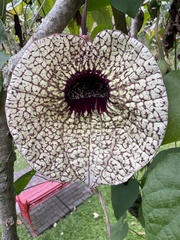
92 112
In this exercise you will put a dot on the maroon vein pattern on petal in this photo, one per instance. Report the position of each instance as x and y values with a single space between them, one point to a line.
106 148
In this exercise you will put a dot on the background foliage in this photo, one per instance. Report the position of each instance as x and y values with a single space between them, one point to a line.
153 194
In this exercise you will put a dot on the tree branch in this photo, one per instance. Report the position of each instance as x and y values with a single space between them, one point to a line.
55 22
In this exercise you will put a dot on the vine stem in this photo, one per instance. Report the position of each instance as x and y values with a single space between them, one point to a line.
40 8
101 199
175 54
84 18
161 53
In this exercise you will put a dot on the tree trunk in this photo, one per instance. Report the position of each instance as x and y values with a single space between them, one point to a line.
7 193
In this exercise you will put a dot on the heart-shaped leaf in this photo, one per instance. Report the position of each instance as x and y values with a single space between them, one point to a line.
160 199
119 230
123 196
172 83
128 7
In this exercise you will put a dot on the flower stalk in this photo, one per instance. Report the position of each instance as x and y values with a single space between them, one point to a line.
84 18
108 226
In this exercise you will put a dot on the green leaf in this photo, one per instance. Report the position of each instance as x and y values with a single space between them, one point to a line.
145 22
160 157
3 58
22 182
153 7
102 16
3 35
13 8
129 7
3 10
90 22
123 196
95 5
73 27
119 230
172 83
141 217
1 81
46 7
160 199
8 1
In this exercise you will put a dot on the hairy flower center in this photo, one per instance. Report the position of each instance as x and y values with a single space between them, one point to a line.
87 92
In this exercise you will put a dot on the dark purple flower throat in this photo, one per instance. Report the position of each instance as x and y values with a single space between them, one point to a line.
87 91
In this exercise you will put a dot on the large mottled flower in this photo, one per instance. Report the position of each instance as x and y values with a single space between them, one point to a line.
92 112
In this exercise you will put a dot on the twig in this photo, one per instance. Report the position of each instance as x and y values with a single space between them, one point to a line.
136 233
37 13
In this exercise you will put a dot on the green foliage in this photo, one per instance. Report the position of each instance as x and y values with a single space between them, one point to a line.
19 165
1 81
3 58
131 9
119 230
172 82
15 7
99 18
3 55
2 10
22 182
73 27
157 159
123 196
102 16
160 199
95 5
3 35
45 6
153 7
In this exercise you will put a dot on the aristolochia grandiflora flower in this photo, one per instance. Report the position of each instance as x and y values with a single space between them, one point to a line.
92 112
